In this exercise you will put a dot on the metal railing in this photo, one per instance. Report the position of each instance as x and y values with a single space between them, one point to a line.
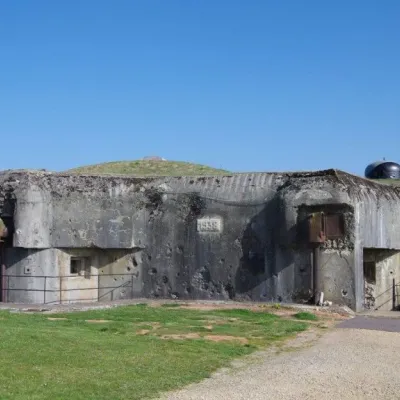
388 299
54 287
396 296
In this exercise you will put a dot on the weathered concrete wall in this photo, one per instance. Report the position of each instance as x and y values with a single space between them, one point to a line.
81 287
377 221
226 237
384 293
337 276
120 274
388 277
248 257
307 195
113 275
378 217
26 269
33 218
185 260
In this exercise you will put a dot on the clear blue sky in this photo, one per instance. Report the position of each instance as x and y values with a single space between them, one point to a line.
242 84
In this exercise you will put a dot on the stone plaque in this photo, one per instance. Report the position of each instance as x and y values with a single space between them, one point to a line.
209 225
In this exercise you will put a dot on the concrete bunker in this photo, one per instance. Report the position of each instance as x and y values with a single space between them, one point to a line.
255 237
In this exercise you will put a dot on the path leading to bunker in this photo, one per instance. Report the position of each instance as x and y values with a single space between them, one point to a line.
345 363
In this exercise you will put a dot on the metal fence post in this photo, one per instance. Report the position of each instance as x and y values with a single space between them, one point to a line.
3 284
132 287
44 290
60 288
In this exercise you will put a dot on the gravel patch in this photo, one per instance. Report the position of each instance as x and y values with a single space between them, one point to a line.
342 364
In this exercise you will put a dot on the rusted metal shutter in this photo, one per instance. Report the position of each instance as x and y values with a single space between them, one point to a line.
334 226
323 226
316 227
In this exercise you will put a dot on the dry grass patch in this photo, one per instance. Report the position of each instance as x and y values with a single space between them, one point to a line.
224 338
97 321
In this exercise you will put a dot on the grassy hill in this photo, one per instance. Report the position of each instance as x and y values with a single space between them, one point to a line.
148 168
391 182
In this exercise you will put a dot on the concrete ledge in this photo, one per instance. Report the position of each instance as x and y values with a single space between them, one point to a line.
380 314
15 307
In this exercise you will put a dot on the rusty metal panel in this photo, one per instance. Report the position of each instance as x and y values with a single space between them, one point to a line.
334 226
316 228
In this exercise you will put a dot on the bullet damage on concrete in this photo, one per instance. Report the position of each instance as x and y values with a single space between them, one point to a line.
276 237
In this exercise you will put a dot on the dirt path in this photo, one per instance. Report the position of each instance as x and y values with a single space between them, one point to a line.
342 364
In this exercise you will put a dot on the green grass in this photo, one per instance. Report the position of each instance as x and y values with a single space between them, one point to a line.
149 168
306 316
390 182
74 359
